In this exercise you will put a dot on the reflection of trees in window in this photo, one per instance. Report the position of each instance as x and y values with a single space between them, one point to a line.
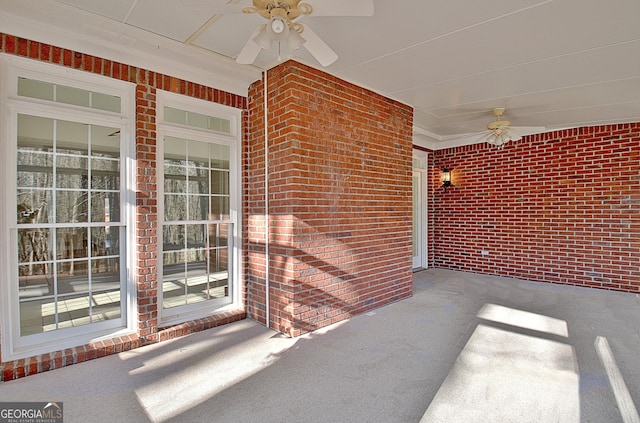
196 198
33 244
73 180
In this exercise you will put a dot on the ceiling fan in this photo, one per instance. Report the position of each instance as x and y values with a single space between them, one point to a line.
283 26
501 132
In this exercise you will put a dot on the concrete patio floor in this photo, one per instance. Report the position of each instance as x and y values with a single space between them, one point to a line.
464 348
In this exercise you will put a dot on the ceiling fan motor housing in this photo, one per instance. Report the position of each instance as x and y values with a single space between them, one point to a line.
498 123
292 8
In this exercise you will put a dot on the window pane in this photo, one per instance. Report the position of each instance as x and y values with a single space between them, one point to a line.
35 280
37 316
71 244
71 206
198 154
72 137
173 283
173 169
73 276
220 156
219 208
171 258
173 237
218 272
105 242
196 235
219 235
30 157
106 145
35 170
197 276
105 174
175 115
175 207
106 102
73 311
34 245
70 95
220 125
175 150
105 275
72 172
37 307
197 120
35 133
219 182
101 167
35 89
34 206
106 306
105 207
219 260
198 207
175 184
198 185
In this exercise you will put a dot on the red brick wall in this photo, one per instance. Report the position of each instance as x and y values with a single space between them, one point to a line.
340 204
562 207
147 84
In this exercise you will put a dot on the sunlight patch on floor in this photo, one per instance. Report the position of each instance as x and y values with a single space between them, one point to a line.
626 406
506 376
197 373
524 319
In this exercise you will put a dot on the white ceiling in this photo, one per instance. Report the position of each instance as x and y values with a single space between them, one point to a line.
553 63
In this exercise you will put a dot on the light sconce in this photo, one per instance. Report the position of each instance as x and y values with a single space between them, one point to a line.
445 177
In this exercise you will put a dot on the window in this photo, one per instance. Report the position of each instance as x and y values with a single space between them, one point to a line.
64 246
200 207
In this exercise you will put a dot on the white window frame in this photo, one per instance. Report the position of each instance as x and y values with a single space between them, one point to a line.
233 140
11 105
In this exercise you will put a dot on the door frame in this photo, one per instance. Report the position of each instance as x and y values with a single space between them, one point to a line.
420 165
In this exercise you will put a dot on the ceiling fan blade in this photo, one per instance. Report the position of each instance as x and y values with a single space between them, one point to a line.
342 8
318 48
480 136
251 49
228 9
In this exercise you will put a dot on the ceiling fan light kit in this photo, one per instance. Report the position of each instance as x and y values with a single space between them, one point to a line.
278 26
295 40
499 140
263 39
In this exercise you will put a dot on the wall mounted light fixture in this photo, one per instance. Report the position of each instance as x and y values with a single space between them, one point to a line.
446 178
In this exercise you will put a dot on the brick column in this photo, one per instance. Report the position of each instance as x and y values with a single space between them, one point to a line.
340 199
